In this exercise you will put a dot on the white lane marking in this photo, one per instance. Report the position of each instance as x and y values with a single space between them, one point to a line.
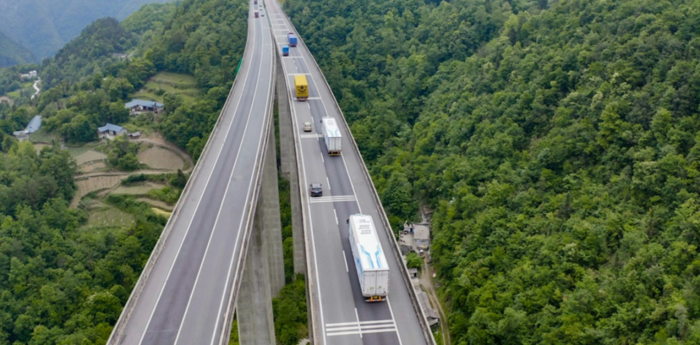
310 136
295 74
360 327
314 98
394 319
335 198
223 297
329 183
351 184
335 334
345 259
336 216
322 160
370 322
228 184
189 226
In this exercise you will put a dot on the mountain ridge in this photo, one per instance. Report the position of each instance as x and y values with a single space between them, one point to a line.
44 26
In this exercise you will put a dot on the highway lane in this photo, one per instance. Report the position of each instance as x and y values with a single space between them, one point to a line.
343 315
187 296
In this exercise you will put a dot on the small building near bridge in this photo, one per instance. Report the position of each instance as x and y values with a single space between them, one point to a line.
137 106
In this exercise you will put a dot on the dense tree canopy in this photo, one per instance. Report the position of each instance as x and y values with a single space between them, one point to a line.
556 144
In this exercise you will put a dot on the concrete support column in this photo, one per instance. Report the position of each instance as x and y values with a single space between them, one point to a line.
289 168
263 276
271 223
254 304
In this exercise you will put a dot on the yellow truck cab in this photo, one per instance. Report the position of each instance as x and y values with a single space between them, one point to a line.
302 87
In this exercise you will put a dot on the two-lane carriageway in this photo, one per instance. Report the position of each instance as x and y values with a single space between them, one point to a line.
186 292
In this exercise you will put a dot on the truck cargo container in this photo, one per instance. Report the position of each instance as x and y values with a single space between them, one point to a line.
257 14
292 39
301 86
370 262
285 50
331 135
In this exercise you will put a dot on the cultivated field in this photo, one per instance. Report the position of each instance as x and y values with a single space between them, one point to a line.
161 159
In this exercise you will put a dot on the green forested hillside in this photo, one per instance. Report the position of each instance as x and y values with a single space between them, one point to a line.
558 149
11 53
44 26
63 282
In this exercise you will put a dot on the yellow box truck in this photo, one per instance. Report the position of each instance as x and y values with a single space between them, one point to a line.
302 87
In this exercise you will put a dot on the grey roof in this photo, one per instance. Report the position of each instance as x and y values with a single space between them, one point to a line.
34 124
143 103
110 127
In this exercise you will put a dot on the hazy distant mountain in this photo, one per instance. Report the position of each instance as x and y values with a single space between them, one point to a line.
12 53
44 26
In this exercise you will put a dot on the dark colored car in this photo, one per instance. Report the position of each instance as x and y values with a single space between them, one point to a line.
316 189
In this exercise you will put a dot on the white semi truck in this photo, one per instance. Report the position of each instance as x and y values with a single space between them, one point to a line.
370 262
331 135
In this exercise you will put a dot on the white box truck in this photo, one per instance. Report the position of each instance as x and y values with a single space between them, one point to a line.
331 135
370 262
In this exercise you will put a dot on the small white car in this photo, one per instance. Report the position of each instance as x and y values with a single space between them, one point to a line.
307 126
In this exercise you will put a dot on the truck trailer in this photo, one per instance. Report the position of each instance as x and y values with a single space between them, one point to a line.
331 135
256 14
292 39
285 50
370 262
301 86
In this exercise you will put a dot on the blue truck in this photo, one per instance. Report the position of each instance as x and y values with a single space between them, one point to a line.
285 50
292 38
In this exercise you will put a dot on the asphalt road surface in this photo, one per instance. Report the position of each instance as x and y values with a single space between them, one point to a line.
344 315
186 298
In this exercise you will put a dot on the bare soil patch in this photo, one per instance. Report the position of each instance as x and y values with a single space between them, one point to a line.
139 189
157 203
160 158
89 156
7 99
38 147
92 184
92 167
109 217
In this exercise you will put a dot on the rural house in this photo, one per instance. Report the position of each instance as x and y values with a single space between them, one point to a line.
140 105
110 130
32 127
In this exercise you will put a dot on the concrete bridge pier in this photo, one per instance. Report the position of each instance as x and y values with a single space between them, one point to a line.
288 167
263 276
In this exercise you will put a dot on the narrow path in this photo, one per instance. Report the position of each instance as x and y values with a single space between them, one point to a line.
426 281
36 87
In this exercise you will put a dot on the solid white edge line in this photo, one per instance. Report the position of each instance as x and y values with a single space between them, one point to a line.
346 263
177 254
223 297
228 184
